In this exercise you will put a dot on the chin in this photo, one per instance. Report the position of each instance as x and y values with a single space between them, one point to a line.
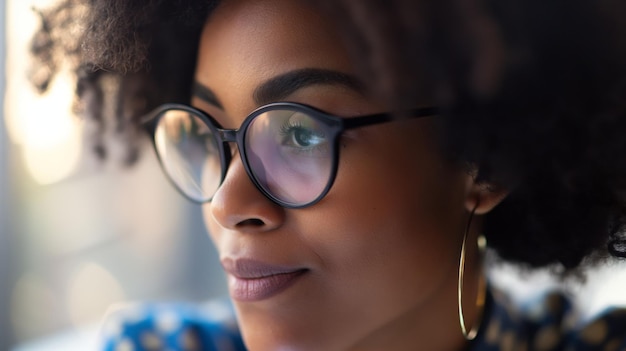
272 337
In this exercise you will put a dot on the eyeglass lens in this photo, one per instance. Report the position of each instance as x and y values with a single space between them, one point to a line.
288 154
189 153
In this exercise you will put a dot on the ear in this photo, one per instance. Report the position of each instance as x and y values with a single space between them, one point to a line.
482 197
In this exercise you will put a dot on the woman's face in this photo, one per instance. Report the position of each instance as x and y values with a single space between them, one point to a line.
374 264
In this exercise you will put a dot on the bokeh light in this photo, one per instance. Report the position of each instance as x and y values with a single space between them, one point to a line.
32 305
43 126
90 293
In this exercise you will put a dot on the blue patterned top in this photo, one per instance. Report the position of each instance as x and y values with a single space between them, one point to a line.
546 324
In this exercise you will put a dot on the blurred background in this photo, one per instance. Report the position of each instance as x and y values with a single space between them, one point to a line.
78 235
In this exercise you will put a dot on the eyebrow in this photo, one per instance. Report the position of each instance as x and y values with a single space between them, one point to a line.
281 86
203 92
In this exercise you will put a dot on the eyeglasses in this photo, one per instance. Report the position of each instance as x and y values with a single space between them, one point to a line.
289 150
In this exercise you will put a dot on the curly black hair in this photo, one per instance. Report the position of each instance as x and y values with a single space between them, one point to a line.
532 95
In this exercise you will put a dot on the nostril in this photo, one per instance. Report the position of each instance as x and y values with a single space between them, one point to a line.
251 222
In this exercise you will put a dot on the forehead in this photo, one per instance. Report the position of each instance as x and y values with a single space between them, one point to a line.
246 42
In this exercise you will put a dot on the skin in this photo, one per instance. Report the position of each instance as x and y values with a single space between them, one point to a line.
382 248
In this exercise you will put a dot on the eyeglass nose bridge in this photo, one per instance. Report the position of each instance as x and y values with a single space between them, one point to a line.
228 135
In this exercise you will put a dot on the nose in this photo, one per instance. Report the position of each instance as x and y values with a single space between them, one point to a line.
239 205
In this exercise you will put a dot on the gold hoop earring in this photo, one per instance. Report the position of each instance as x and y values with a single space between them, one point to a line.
482 289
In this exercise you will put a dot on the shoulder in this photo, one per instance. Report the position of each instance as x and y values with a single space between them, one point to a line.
175 327
548 323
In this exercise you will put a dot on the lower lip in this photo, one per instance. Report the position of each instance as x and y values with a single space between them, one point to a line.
256 289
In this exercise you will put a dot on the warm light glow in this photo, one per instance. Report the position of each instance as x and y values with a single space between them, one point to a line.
52 141
21 22
42 125
91 291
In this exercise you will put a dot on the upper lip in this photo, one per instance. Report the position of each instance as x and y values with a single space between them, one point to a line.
244 268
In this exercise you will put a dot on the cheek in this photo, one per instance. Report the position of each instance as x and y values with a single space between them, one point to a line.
390 228
398 193
389 219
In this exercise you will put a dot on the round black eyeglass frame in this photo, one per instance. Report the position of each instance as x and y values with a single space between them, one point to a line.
336 124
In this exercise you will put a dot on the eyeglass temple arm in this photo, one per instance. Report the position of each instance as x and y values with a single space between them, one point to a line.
363 121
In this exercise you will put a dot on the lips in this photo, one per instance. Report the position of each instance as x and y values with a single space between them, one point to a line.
251 280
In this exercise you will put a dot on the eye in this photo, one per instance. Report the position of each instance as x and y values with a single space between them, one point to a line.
302 137
303 132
